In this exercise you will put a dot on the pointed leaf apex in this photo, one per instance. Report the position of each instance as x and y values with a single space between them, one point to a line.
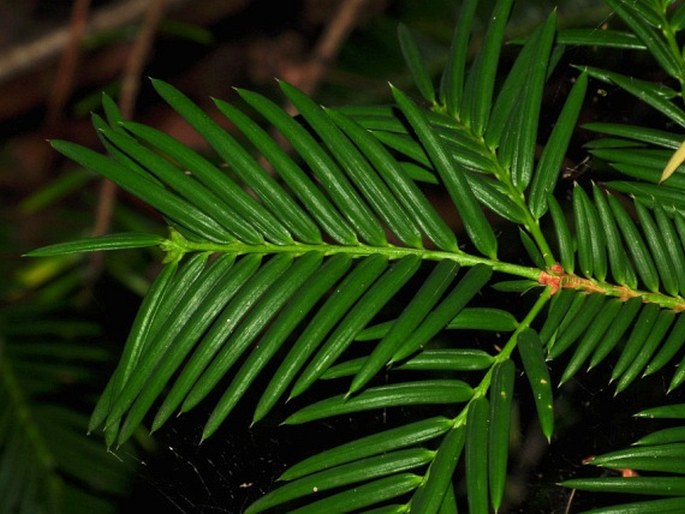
674 162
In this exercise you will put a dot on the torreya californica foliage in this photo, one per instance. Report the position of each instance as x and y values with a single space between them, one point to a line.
291 275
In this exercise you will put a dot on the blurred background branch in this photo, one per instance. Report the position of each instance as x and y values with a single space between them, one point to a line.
27 55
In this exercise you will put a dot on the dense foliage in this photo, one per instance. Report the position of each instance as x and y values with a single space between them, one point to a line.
303 266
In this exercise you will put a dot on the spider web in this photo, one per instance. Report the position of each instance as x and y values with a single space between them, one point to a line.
238 465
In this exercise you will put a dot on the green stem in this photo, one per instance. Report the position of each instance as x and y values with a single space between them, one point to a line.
530 223
482 388
177 246
503 175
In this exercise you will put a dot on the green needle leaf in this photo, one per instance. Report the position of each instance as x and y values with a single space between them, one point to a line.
675 411
242 205
281 286
667 231
183 340
597 238
297 274
364 495
293 175
662 257
457 299
530 350
586 316
356 167
190 284
291 285
668 458
427 360
99 243
484 318
424 392
621 323
517 148
563 233
195 192
665 506
438 281
358 471
620 266
480 83
393 439
583 235
452 82
661 486
438 480
136 342
270 192
531 249
414 201
147 190
604 319
376 298
345 295
675 341
342 193
225 322
300 305
645 351
478 228
601 38
655 96
558 309
636 245
416 65
643 134
449 502
665 436
477 430
635 19
501 396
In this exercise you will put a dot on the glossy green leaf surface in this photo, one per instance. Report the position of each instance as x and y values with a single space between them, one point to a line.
424 300
501 397
416 65
437 482
547 171
478 90
452 83
530 350
460 295
359 471
393 439
476 452
477 227
364 495
663 458
378 295
99 243
410 393
662 486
